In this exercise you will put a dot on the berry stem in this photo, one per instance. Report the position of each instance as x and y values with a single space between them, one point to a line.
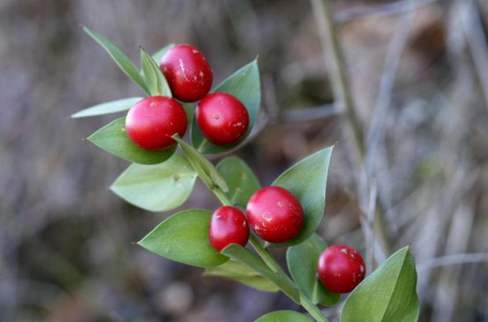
221 196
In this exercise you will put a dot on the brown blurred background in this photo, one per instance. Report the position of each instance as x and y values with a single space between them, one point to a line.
419 77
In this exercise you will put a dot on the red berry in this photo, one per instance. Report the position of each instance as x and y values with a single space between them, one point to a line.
222 118
275 214
152 121
341 268
228 226
187 71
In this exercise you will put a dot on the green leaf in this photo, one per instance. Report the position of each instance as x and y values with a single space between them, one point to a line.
155 81
183 238
113 139
284 316
243 274
243 84
159 187
239 177
157 56
241 254
307 180
108 107
388 294
302 262
206 171
121 59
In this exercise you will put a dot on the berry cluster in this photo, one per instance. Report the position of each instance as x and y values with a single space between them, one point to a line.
275 215
222 118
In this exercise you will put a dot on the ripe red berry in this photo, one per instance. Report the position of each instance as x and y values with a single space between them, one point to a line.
228 226
152 121
222 118
187 71
341 268
275 214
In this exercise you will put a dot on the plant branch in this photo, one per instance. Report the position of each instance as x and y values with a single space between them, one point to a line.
333 50
472 23
221 196
265 255
455 259
312 309
379 10
344 98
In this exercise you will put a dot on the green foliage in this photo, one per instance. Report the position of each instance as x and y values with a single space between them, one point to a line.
302 262
243 274
155 81
121 59
241 254
307 180
284 316
108 107
240 179
388 294
159 187
113 139
243 84
183 238
162 180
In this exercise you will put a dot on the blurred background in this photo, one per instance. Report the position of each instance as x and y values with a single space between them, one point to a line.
419 77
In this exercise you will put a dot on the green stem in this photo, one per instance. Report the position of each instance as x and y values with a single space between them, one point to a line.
221 196
312 309
265 255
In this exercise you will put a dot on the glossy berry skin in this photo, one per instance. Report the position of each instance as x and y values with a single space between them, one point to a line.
187 71
228 226
341 268
275 214
152 121
222 118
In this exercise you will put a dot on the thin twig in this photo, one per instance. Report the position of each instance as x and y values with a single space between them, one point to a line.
343 96
367 224
456 259
447 289
310 114
333 51
476 38
386 9
375 159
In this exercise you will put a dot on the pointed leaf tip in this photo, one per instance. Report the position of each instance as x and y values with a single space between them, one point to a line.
118 56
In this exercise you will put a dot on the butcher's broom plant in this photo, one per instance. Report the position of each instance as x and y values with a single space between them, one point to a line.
167 133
